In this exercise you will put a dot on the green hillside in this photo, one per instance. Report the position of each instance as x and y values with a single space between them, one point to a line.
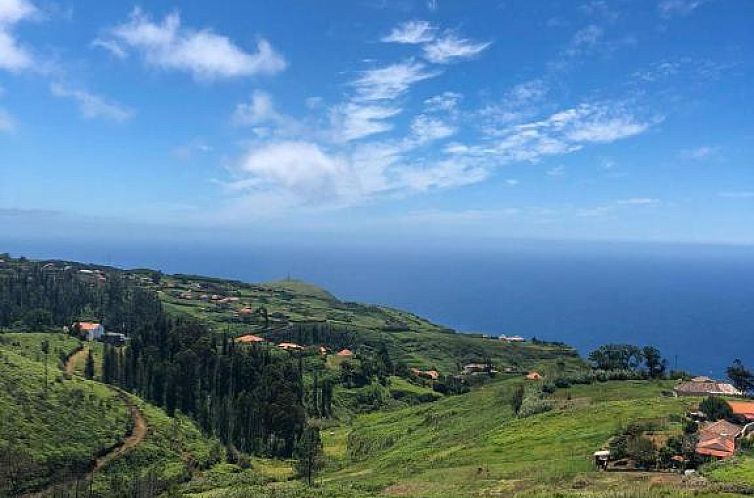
50 432
292 305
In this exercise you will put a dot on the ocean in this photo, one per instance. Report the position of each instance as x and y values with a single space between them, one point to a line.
696 303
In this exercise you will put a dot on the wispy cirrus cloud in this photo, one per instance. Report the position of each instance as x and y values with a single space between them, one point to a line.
412 33
390 82
671 8
451 48
352 121
91 105
567 131
203 53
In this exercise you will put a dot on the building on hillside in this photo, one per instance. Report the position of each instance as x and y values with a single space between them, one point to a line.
475 368
91 331
718 439
743 410
250 339
290 346
322 350
704 386
427 374
246 311
513 338
533 376
347 353
114 338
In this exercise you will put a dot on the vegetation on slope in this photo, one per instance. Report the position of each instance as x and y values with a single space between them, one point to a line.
48 433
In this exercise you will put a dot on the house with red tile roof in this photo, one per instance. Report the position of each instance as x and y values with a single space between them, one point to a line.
718 439
534 376
743 409
345 352
250 339
91 330
290 346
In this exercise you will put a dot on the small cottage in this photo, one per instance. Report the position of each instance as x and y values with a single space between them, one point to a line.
91 331
249 339
533 376
345 353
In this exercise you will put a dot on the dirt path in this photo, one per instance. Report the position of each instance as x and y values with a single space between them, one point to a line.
134 438
73 360
137 435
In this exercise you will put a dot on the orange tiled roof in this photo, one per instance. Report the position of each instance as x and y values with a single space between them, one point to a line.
289 345
88 325
345 352
721 428
720 447
249 338
743 408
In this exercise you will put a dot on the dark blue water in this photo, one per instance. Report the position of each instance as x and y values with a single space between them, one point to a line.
695 303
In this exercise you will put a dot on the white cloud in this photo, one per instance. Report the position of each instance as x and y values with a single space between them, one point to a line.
411 32
13 11
91 105
13 56
427 129
512 182
391 81
203 53
259 110
443 174
352 121
670 8
6 122
111 46
445 102
299 167
566 131
450 48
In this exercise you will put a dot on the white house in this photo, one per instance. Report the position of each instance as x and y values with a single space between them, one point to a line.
92 331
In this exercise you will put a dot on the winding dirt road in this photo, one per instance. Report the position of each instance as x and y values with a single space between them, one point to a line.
136 435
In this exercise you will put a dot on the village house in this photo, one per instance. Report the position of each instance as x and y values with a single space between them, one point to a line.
89 330
426 374
704 386
347 353
249 339
513 338
290 346
246 311
718 439
744 410
533 376
471 368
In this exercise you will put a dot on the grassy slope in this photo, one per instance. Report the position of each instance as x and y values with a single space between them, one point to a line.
76 419
438 450
62 428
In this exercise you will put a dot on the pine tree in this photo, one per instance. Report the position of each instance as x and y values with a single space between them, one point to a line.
310 458
89 368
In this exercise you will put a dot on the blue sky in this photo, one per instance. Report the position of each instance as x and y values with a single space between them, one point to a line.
361 120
